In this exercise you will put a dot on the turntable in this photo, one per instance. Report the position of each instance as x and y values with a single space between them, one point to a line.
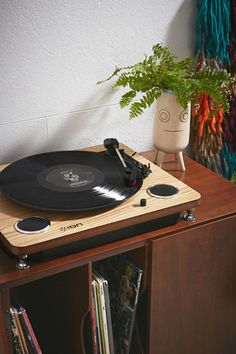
66 201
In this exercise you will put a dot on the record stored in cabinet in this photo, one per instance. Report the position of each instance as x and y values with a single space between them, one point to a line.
85 198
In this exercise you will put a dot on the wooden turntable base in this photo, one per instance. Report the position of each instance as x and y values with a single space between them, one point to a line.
67 228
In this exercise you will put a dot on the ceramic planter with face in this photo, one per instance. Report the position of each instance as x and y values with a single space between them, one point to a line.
171 128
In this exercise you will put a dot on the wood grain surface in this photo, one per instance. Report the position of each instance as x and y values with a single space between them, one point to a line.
71 227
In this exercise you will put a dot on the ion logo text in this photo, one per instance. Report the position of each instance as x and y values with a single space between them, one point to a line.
72 226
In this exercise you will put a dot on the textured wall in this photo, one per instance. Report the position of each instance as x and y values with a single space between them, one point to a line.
52 53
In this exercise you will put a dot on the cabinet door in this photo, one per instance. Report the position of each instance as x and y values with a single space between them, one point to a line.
193 291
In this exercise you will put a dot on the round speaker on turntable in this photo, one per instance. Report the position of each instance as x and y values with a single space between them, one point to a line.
163 190
32 225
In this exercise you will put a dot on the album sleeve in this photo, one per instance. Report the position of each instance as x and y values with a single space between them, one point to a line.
98 332
31 341
17 343
20 331
124 278
101 282
100 300
108 315
31 334
134 276
93 322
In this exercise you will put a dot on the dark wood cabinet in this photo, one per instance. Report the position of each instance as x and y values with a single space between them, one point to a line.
187 303
193 291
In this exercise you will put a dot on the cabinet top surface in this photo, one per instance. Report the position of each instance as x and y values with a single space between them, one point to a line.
218 200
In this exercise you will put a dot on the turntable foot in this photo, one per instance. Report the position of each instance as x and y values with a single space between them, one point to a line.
189 216
22 262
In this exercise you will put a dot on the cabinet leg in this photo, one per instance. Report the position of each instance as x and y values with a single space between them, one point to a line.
22 262
189 216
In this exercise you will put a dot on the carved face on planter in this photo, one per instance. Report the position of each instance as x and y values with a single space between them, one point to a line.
171 124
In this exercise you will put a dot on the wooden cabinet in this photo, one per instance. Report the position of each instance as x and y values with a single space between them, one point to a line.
187 303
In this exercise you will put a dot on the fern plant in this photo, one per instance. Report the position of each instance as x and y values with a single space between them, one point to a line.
161 71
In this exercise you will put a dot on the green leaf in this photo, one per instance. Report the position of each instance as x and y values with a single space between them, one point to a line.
162 71
127 98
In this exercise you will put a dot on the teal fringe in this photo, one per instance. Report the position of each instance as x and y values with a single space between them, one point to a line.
213 29
213 40
228 160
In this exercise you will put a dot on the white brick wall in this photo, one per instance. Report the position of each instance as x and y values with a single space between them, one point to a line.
52 53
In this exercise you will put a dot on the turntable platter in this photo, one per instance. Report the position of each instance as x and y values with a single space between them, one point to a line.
67 181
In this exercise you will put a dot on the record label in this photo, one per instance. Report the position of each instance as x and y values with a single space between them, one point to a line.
70 178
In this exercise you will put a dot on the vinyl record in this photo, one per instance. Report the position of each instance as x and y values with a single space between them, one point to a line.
67 181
